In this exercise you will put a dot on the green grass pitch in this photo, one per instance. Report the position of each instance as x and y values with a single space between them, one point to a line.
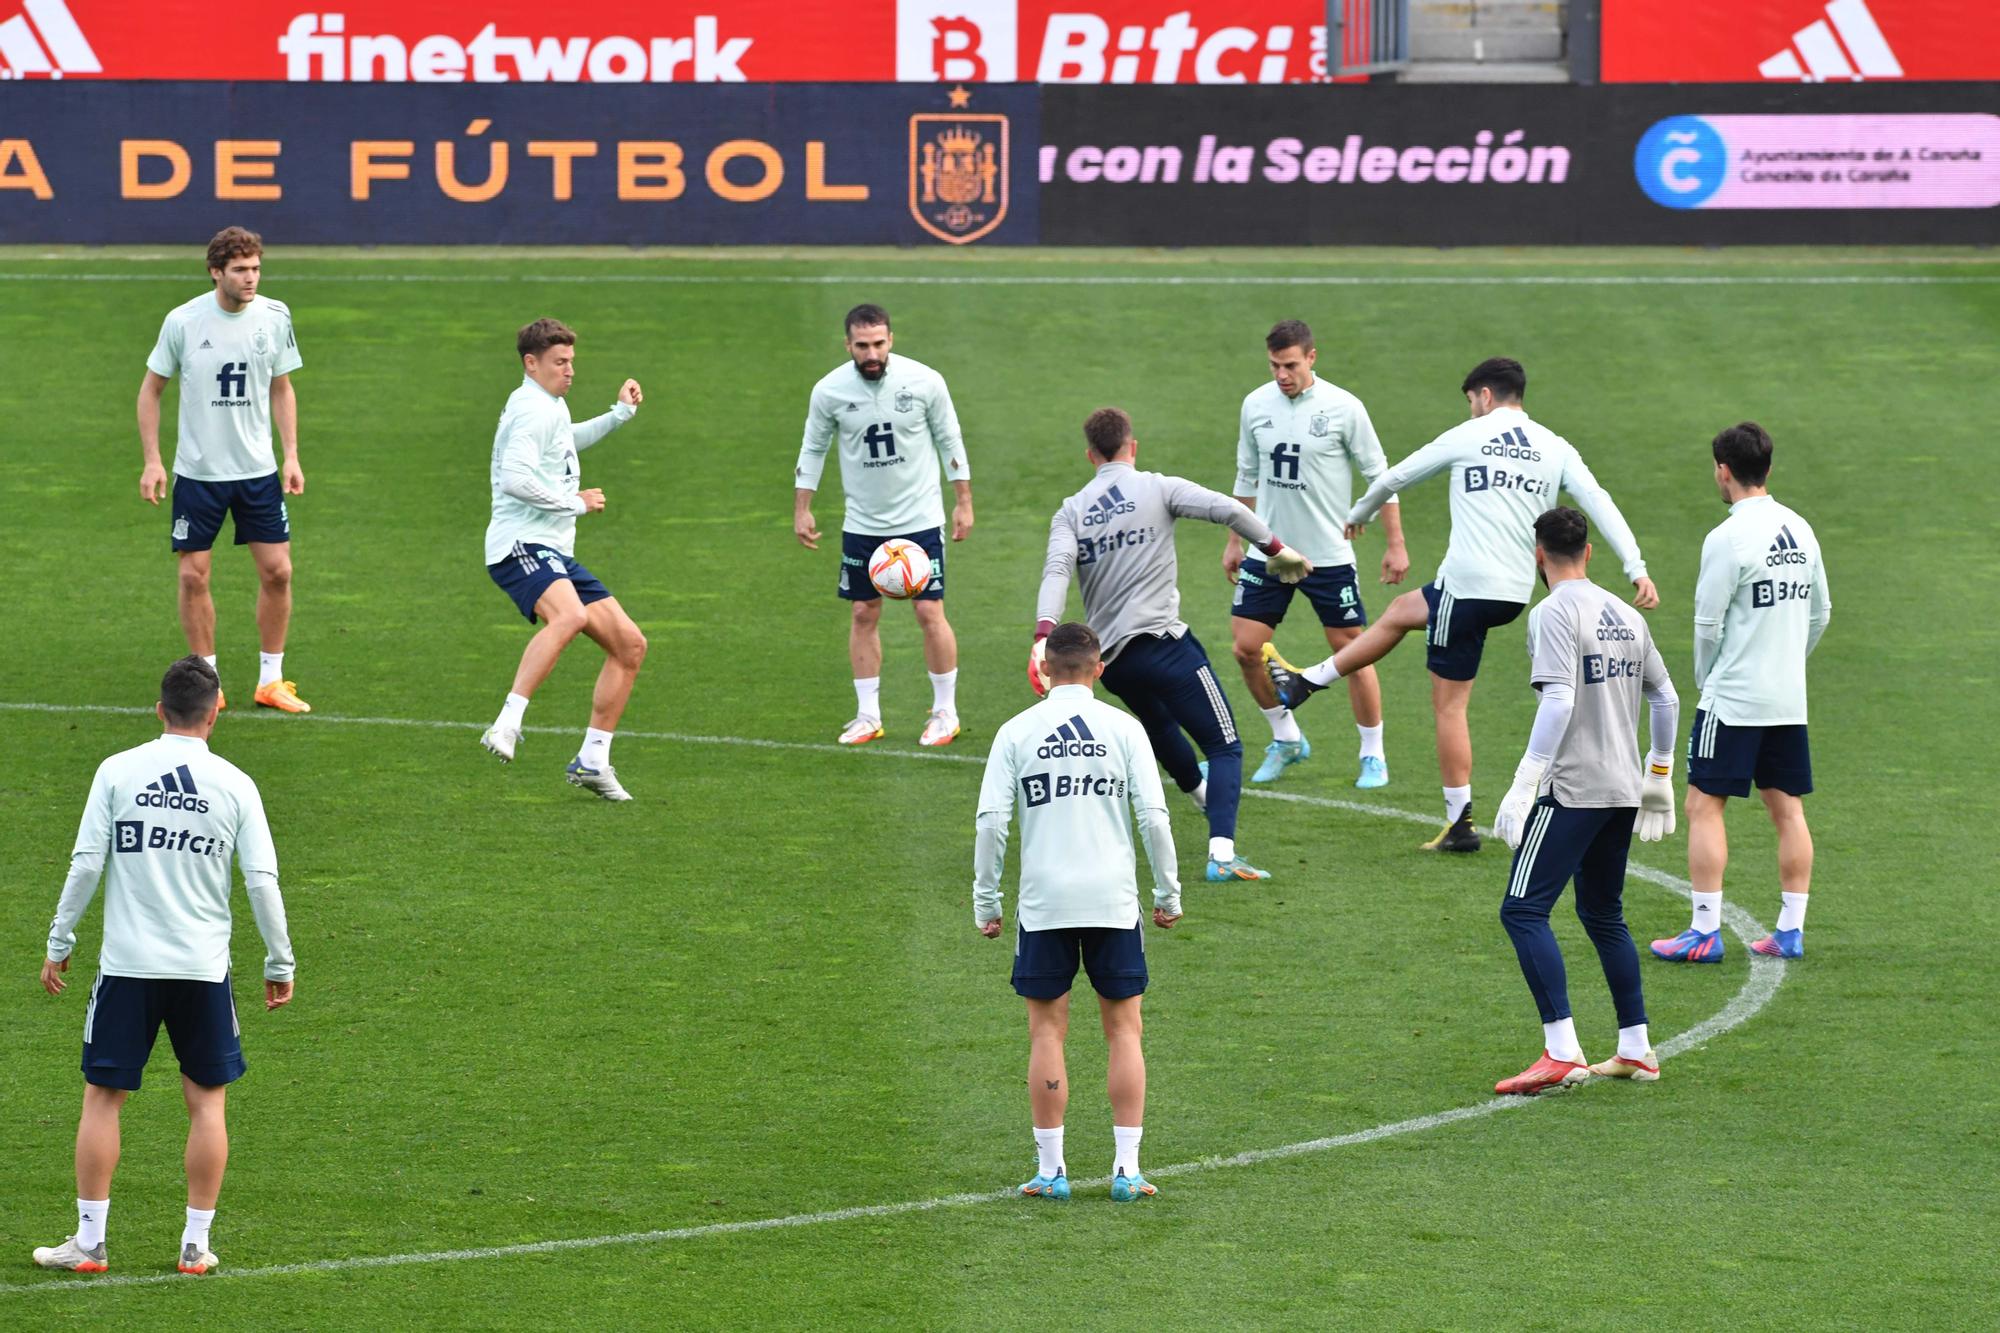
755 992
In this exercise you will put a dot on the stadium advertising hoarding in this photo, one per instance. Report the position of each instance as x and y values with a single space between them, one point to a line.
669 41
1499 165
756 164
1799 41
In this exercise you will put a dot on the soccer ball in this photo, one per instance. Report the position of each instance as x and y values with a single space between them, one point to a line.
899 569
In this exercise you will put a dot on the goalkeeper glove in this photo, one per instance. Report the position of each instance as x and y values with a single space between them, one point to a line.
1038 663
1656 798
1512 820
1287 564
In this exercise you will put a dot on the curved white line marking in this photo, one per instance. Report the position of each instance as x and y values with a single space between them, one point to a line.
1766 974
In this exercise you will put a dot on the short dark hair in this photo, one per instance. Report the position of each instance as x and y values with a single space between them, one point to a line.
1288 333
1745 449
1072 649
188 690
540 336
233 243
1501 374
1562 532
1108 430
865 315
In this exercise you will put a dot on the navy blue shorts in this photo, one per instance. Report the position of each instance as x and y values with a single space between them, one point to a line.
855 548
531 567
123 1020
1333 590
1456 634
1724 760
1114 960
257 503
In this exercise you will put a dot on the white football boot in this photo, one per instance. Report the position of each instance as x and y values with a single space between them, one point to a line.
861 731
500 742
603 781
72 1256
940 729
198 1259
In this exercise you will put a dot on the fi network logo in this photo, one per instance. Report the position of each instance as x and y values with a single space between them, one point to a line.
45 41
1817 55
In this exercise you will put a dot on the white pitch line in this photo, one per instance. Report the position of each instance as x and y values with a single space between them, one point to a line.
1766 974
1100 280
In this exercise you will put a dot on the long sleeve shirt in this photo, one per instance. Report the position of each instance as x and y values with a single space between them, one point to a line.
1760 606
894 436
535 476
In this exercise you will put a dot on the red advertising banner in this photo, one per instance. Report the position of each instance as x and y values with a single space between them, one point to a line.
668 41
1799 41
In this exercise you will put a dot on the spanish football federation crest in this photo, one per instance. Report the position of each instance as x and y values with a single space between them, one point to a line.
958 173
1320 425
905 400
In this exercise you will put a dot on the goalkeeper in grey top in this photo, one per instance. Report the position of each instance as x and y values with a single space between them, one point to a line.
1116 538
1577 794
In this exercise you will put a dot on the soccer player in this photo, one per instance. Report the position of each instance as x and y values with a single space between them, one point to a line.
1577 794
894 425
170 816
1298 442
234 352
531 550
1081 771
1760 607
1505 470
1116 537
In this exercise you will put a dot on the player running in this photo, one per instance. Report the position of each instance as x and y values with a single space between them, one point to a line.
234 352
1576 796
1298 442
1116 536
894 424
174 815
1759 609
1505 470
531 550
1081 771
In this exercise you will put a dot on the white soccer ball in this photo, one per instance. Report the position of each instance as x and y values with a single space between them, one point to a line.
899 569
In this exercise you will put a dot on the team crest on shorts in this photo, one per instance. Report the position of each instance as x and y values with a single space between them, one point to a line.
180 529
1321 424
958 173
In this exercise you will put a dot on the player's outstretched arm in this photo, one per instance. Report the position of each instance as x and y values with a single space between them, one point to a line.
152 474
1603 511
1233 549
1058 568
623 409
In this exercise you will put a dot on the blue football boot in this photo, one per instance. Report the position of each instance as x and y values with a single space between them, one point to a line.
1690 946
1047 1187
1279 756
1131 1189
1782 944
1374 772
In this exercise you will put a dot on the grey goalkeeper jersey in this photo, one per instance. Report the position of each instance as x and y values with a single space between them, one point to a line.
1116 536
1588 638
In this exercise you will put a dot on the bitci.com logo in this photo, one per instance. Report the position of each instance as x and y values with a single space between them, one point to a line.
1104 41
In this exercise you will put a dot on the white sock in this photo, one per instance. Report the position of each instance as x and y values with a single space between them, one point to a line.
868 693
1455 801
596 751
1322 673
1200 795
1221 849
1048 1143
196 1230
1559 1039
210 659
944 691
513 712
90 1218
1792 915
1284 727
1707 912
270 669
1371 743
1632 1042
1125 1161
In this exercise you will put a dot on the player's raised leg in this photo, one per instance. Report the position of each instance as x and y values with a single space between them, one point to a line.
1294 685
1364 696
941 659
1288 744
1125 1079
864 654
274 619
1048 1095
207 1159
560 613
624 648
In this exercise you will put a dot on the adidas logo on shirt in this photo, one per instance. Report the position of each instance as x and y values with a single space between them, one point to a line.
206 346
172 791
1107 507
1610 627
1072 740
1785 550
